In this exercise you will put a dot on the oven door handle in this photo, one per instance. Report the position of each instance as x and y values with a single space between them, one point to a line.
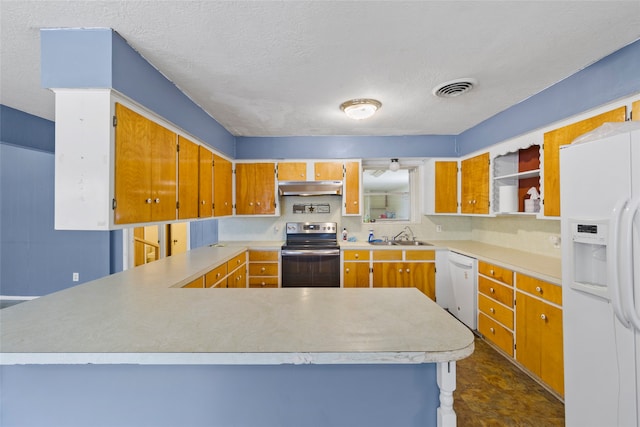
310 252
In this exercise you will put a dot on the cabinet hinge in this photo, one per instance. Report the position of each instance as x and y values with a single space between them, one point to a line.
115 121
370 269
178 148
213 206
177 205
114 204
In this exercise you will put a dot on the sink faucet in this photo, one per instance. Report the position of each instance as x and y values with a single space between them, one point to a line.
406 236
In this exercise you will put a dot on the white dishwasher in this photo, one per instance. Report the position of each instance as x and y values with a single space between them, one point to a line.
463 271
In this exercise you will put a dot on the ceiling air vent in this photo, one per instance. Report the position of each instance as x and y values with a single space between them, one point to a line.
454 88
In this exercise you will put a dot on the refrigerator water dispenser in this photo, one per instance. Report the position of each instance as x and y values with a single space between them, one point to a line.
589 240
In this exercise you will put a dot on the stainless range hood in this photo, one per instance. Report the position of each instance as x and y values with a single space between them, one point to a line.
310 188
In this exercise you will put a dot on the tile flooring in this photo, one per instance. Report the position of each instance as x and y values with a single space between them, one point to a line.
491 391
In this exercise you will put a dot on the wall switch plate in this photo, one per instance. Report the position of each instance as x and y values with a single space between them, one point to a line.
438 229
76 277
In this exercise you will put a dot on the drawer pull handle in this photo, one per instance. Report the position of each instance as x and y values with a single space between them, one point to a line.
407 270
263 284
204 202
492 272
148 201
263 269
157 200
357 256
399 270
493 291
492 310
543 317
493 331
346 270
538 289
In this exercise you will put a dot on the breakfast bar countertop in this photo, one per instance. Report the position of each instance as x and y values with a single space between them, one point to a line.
137 317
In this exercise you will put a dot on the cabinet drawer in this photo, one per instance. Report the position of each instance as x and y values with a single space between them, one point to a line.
356 255
420 255
236 261
545 290
496 291
263 282
387 255
496 333
495 311
264 256
496 272
263 269
215 275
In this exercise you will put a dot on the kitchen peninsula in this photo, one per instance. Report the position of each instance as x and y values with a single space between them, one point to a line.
132 349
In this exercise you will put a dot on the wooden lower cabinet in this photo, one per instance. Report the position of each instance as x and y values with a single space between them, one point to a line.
539 335
230 274
355 274
264 268
404 269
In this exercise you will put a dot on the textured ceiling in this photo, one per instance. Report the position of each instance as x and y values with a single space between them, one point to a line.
276 68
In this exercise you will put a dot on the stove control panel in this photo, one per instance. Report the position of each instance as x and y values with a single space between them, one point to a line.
311 227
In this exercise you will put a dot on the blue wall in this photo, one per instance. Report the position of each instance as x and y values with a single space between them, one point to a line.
101 58
283 395
612 78
35 259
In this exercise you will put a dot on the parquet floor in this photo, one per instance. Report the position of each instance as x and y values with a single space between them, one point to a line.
491 391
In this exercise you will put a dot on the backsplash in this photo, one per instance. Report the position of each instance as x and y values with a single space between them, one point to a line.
518 232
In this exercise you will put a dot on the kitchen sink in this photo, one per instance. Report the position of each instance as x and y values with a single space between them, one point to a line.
401 243
411 243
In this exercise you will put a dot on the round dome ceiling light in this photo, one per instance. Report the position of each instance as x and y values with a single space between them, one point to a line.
359 109
454 88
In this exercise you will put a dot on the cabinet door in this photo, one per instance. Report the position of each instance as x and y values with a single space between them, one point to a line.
635 110
327 171
387 274
163 173
475 185
421 275
554 139
446 191
245 189
356 275
145 170
223 186
539 339
265 182
205 187
132 174
187 178
292 171
352 188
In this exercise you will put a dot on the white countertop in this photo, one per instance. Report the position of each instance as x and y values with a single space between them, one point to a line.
136 317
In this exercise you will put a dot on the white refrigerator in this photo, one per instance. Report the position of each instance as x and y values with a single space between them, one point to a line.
600 200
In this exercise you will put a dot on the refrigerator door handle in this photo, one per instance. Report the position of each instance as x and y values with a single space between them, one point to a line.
626 261
613 259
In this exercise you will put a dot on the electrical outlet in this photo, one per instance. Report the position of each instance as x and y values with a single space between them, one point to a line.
438 229
555 241
76 277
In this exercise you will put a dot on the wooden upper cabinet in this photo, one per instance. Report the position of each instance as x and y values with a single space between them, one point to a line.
205 184
475 185
352 188
635 110
188 154
327 171
554 139
222 186
292 171
145 169
255 188
446 187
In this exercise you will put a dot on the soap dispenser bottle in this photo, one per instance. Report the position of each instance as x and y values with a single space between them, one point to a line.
344 234
370 235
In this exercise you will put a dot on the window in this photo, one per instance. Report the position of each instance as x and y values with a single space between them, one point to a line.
389 196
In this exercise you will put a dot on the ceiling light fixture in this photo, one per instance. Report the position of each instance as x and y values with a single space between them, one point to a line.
394 165
359 109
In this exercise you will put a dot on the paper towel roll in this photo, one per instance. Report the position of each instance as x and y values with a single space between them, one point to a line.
509 198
